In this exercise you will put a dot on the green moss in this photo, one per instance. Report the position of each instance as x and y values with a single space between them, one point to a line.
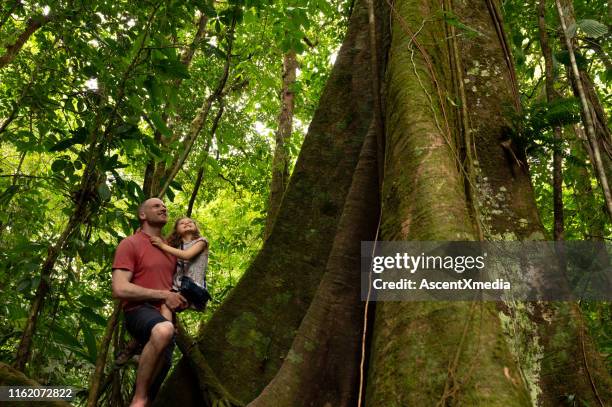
294 357
521 335
243 334
309 345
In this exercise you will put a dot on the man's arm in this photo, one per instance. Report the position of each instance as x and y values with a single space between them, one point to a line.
124 289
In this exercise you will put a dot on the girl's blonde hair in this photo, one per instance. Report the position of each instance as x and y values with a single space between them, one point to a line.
174 238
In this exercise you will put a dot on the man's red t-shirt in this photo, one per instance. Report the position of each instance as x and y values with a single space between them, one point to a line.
151 267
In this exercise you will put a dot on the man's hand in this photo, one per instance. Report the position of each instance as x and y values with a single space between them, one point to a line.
156 241
175 301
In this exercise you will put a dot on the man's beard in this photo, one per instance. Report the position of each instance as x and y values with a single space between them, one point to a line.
158 223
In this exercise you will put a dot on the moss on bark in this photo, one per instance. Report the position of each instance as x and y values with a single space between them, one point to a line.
546 338
442 353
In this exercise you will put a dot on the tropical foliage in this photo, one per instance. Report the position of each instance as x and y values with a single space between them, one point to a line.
103 103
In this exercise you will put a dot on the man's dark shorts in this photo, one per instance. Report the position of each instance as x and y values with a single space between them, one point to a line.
140 321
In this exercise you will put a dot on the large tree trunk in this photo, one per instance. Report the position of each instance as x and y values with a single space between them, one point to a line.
436 353
439 353
248 337
322 366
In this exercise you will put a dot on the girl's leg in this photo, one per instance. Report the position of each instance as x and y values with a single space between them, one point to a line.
166 313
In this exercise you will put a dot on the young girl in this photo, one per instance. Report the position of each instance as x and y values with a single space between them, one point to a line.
191 251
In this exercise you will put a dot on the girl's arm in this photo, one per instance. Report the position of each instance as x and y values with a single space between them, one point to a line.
188 254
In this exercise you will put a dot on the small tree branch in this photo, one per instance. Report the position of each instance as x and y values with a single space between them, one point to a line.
32 25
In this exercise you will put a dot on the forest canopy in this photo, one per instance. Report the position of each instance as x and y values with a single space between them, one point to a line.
290 131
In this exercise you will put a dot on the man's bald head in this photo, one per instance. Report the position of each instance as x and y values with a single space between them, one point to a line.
152 211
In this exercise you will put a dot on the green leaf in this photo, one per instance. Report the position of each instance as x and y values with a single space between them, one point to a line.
171 68
104 192
174 184
453 20
607 76
92 317
153 89
160 124
592 28
152 149
564 58
23 284
90 301
207 8
59 165
64 337
90 342
79 137
7 194
170 194
562 112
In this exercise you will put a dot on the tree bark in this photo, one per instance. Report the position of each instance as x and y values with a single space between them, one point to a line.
247 339
444 353
437 353
280 162
98 375
322 366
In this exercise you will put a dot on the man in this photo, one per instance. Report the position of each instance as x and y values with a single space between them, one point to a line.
142 279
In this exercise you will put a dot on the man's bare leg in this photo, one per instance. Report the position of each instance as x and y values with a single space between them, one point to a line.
161 336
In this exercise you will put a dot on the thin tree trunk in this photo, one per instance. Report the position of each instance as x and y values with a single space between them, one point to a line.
194 193
25 343
280 162
551 95
595 217
98 374
153 171
198 122
586 115
200 176
256 335
12 50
